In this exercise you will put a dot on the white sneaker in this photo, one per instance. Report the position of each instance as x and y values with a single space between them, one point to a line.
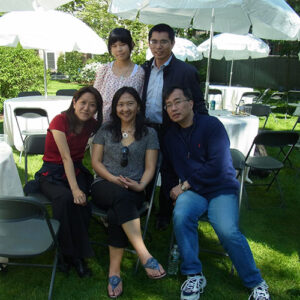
260 292
193 287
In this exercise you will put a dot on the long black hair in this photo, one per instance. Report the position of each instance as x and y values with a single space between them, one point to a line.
120 35
70 112
115 124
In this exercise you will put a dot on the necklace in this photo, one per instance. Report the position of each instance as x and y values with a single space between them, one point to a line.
126 133
122 73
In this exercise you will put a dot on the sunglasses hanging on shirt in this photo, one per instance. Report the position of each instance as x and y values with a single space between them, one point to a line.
124 156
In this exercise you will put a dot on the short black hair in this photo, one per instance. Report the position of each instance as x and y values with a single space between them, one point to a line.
162 28
186 92
115 123
120 35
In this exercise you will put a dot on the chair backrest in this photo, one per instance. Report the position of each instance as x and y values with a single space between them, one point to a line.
214 92
31 93
20 208
35 144
254 95
17 209
293 96
276 138
66 92
278 96
238 159
29 113
263 95
260 110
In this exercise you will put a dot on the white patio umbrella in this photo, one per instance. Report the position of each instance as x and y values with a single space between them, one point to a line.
234 47
49 31
183 50
23 5
269 19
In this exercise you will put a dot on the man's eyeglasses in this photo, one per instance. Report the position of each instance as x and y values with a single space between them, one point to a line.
176 103
124 156
161 42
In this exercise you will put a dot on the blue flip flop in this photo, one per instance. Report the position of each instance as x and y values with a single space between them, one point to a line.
114 282
152 264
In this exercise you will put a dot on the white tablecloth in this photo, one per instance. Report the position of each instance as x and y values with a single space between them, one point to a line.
10 183
241 130
52 104
231 96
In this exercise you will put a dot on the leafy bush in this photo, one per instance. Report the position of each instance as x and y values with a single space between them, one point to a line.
70 64
20 70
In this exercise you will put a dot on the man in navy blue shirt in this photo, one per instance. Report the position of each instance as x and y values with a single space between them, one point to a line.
161 72
197 151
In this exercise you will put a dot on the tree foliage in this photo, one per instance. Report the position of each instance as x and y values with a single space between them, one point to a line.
95 14
20 70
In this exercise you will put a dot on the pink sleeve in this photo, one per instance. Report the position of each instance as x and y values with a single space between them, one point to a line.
99 77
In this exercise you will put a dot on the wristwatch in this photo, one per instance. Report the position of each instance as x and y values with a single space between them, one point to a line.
184 188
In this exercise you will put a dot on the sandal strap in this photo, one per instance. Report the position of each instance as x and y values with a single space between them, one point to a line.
152 263
114 281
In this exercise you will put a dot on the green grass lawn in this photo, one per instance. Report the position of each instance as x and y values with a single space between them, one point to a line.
273 234
54 85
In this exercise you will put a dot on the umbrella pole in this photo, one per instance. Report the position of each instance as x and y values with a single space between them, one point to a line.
209 56
45 72
231 68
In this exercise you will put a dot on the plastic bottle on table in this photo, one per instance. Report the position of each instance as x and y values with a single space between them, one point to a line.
173 260
212 105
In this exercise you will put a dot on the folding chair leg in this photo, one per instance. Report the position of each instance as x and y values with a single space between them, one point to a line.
280 193
53 276
273 179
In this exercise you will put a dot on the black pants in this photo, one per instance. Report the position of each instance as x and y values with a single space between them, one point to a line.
74 219
122 205
165 202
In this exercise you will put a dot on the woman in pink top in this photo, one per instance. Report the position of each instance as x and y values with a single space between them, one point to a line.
122 72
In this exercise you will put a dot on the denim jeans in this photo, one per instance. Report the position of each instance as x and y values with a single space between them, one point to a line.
223 214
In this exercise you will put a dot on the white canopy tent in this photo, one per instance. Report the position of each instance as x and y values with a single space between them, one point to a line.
234 47
24 5
49 31
268 19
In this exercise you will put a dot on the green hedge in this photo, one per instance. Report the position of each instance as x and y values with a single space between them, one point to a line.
70 64
20 70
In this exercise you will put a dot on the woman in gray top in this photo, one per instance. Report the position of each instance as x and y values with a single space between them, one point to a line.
124 157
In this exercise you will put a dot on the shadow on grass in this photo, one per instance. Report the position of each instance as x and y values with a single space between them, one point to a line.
268 223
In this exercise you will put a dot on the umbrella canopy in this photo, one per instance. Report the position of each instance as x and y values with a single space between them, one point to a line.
234 47
49 31
268 19
183 50
15 5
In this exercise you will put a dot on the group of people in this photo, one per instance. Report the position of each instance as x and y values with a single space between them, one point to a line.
158 105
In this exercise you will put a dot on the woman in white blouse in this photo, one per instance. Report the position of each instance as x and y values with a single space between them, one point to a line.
121 72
